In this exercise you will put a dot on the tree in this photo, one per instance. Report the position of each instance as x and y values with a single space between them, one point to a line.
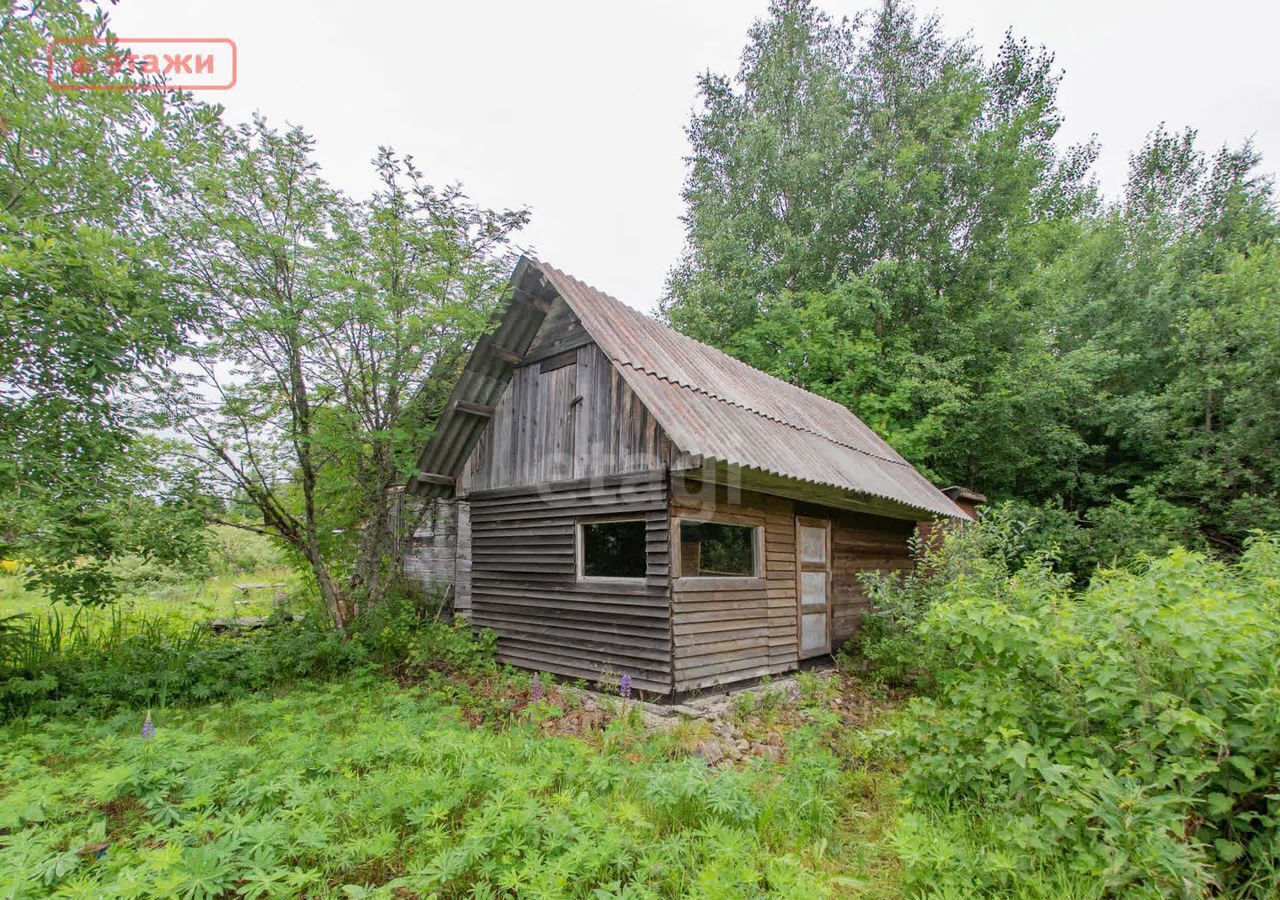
876 213
330 314
860 197
89 302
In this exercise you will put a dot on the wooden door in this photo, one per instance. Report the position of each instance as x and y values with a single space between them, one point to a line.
813 552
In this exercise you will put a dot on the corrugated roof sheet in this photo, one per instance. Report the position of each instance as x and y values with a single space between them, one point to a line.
719 407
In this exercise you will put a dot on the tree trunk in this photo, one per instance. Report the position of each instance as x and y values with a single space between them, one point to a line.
381 544
335 600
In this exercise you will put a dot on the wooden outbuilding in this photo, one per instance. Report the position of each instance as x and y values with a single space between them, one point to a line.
610 497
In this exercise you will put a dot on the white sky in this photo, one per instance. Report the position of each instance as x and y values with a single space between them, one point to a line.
577 108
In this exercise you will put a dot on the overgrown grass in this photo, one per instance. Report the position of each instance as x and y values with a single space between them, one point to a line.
211 597
211 587
399 762
365 788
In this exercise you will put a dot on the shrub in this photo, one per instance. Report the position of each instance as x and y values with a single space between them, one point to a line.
1120 739
236 551
887 648
53 665
59 667
139 574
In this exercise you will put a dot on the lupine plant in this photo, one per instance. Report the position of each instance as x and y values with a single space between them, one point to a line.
367 789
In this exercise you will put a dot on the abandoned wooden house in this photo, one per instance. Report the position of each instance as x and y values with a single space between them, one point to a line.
610 496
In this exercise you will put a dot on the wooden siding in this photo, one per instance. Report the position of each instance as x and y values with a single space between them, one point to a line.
566 422
727 630
462 562
430 552
524 582
859 544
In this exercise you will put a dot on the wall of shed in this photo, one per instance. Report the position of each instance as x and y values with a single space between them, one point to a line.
438 553
430 552
568 416
524 584
728 630
862 543
733 630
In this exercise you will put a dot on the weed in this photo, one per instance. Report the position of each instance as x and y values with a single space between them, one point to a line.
359 785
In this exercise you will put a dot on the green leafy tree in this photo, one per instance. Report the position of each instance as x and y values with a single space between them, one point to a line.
876 213
330 314
852 196
89 301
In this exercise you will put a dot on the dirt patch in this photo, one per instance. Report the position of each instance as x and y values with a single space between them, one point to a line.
725 728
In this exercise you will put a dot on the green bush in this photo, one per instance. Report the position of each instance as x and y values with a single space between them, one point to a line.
1120 739
236 551
56 667
140 574
52 665
886 648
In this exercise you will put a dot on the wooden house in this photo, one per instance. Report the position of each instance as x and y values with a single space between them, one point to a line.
610 496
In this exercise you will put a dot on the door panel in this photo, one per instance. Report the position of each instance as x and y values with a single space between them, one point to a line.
813 635
813 590
813 537
813 544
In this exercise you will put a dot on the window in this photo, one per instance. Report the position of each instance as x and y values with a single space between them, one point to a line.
717 550
611 549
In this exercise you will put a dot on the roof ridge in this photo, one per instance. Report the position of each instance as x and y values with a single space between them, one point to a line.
728 356
764 415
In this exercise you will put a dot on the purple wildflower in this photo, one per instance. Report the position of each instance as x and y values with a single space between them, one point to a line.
794 692
148 727
535 689
624 687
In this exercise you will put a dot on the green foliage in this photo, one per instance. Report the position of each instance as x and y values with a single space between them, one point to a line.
887 648
332 315
88 299
62 665
1124 738
55 664
363 789
236 551
876 213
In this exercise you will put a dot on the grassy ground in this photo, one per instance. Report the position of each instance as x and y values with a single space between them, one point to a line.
439 776
197 598
447 787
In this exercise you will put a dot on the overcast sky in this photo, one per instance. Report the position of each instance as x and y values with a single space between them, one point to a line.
578 109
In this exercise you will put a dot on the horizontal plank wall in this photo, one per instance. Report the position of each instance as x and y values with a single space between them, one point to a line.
565 417
727 630
862 543
524 584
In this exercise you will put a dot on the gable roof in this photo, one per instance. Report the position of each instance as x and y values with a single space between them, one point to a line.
708 403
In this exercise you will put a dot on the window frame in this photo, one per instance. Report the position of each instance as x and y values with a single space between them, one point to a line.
711 582
580 547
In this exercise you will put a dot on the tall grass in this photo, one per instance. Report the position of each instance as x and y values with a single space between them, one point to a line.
362 789
60 663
